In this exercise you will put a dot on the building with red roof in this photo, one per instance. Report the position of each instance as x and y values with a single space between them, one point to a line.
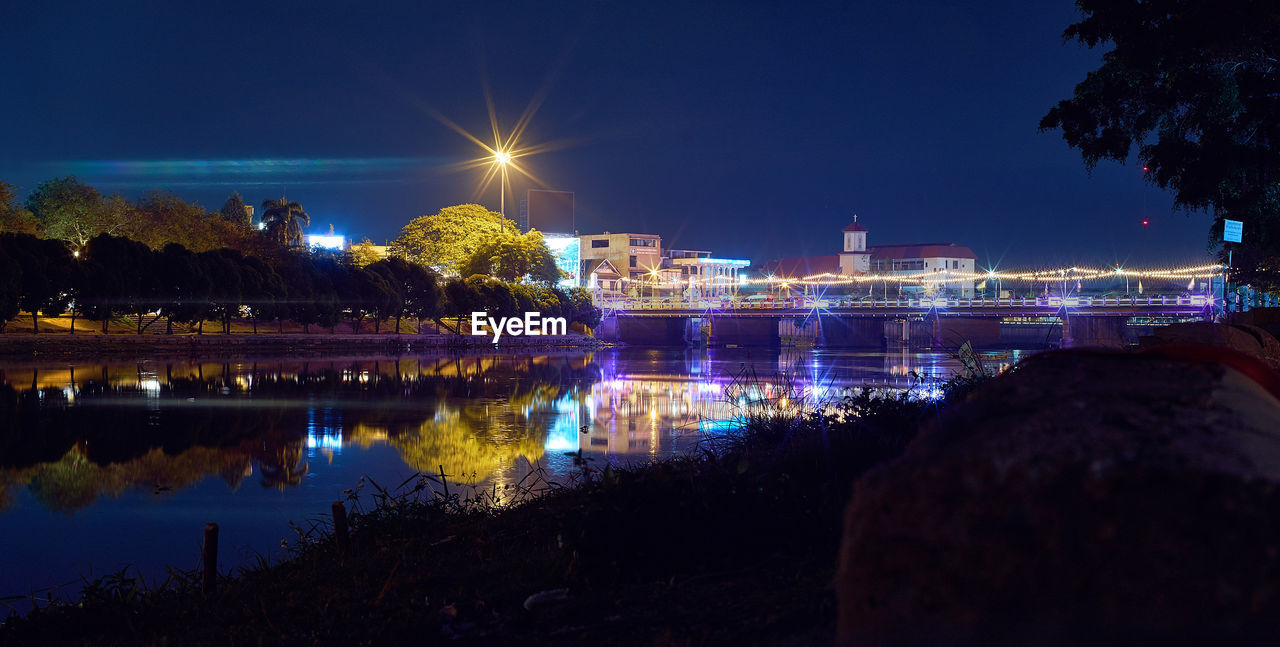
857 258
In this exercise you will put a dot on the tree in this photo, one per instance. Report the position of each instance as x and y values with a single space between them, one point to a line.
362 254
46 267
184 286
13 218
69 210
10 288
284 221
224 267
511 258
446 240
236 212
584 310
1194 86
161 217
413 287
263 290
119 278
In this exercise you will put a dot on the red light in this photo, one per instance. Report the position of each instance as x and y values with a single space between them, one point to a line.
1144 168
1145 222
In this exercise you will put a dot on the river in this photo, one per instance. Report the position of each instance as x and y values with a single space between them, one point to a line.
113 464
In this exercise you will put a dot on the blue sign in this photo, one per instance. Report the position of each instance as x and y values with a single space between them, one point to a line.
1232 230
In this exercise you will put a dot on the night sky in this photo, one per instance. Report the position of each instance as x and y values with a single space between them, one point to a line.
751 129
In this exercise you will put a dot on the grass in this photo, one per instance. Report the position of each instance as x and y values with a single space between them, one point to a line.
733 544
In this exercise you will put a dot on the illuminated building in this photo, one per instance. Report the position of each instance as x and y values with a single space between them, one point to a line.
706 270
856 258
635 254
601 277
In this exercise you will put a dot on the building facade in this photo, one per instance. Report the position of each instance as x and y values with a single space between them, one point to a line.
933 263
633 255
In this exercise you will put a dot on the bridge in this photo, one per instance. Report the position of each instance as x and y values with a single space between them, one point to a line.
919 321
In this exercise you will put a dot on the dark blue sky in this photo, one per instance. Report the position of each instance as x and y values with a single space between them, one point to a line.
751 129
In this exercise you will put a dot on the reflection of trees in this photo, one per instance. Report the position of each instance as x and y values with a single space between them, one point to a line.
10 481
468 454
283 466
74 436
74 481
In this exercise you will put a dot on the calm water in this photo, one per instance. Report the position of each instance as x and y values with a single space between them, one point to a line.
106 465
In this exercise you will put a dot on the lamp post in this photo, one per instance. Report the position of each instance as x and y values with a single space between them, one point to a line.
502 158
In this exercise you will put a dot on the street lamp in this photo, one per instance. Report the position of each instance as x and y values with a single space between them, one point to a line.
502 158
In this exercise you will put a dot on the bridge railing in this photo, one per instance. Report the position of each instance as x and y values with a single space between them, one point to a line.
921 303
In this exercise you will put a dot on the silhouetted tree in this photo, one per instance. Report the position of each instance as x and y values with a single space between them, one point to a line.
285 221
1192 86
236 212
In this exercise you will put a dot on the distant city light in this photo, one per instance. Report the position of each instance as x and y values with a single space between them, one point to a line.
326 242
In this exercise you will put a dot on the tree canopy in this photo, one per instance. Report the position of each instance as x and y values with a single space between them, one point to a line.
13 218
510 257
285 221
362 254
160 218
70 210
236 212
1193 86
447 239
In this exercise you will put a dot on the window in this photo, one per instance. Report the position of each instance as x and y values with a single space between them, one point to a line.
599 242
633 261
643 242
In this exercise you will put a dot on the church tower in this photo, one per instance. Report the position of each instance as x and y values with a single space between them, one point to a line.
854 258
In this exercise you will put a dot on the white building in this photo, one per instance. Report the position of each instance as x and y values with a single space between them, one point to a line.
934 262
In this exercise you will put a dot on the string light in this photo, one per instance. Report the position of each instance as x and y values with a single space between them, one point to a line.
827 279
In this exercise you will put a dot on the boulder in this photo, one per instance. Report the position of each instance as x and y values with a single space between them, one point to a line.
1086 497
1270 346
1246 339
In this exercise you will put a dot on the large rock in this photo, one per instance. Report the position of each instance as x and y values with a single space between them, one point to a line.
1085 497
1245 338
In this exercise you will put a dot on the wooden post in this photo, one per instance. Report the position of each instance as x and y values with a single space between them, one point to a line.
340 536
210 554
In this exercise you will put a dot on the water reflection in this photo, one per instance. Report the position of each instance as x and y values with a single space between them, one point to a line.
73 434
139 455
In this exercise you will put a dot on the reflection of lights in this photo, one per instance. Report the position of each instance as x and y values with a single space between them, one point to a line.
150 386
324 441
563 434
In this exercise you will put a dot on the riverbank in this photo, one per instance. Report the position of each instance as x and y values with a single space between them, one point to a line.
58 340
735 545
238 345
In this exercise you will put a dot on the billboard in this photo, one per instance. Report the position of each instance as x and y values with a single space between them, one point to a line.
550 212
566 251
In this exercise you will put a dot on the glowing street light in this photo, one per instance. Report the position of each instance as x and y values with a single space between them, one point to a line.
502 158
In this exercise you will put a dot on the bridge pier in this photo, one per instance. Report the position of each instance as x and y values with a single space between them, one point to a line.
745 331
652 331
951 332
860 332
1095 331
